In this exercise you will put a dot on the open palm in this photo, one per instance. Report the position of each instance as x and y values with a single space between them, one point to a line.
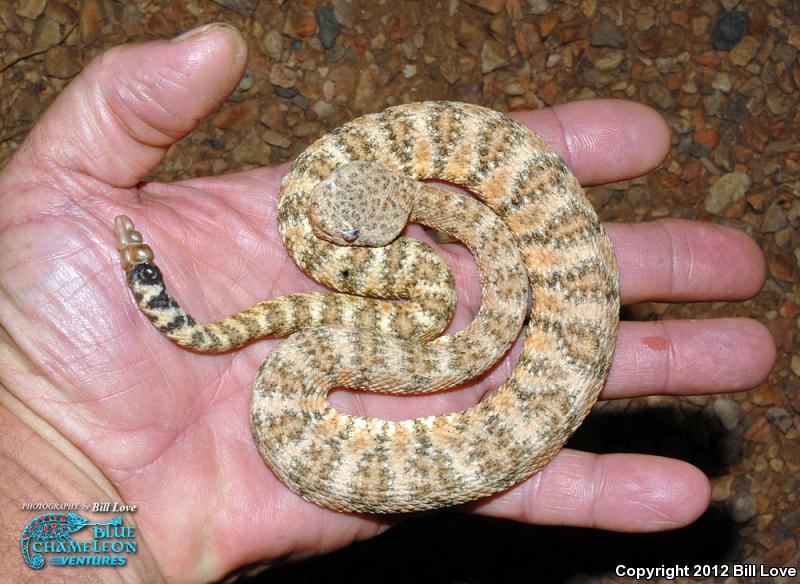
169 428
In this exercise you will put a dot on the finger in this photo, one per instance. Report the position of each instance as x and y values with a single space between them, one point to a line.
115 121
677 260
603 140
619 492
687 357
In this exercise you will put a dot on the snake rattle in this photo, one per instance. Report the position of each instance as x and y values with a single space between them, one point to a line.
341 209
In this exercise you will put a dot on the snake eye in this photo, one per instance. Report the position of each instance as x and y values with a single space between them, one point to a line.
350 235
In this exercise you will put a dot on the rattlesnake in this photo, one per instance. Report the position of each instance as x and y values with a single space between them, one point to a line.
349 189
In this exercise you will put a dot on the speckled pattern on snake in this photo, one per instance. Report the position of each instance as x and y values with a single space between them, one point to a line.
341 206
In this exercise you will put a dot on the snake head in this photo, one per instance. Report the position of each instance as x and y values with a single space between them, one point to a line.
360 203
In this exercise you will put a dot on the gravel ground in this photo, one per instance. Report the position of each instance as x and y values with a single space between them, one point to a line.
726 76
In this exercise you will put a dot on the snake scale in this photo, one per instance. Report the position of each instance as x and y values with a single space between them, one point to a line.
535 238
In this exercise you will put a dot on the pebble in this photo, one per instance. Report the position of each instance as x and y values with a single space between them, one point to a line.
329 27
708 59
328 90
62 62
728 412
250 150
513 87
274 138
49 34
450 69
409 50
343 10
722 81
660 95
195 10
779 147
700 25
61 13
729 189
712 103
548 93
783 237
282 76
781 554
691 170
606 33
721 488
323 109
764 520
774 219
237 118
698 150
493 56
794 36
795 364
547 23
759 431
539 6
707 137
89 20
527 39
246 84
735 109
273 116
553 59
645 18
378 41
365 97
288 93
743 508
729 30
300 24
779 104
273 44
790 453
27 106
780 419
305 129
744 51
31 9
344 79
682 18
608 61
760 199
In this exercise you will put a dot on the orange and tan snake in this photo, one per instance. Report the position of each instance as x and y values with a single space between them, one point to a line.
341 208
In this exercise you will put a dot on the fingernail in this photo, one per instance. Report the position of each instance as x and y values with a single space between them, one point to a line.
201 30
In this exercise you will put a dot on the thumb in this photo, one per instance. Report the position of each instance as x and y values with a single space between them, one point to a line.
116 120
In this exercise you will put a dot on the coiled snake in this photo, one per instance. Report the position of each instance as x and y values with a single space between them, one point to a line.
341 207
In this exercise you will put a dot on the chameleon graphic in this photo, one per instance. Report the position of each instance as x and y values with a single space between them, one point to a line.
57 526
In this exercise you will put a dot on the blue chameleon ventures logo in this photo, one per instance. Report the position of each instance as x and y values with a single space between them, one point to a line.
51 533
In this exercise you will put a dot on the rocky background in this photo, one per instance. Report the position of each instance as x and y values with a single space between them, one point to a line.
726 76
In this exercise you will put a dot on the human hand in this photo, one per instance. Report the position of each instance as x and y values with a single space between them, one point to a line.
170 428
